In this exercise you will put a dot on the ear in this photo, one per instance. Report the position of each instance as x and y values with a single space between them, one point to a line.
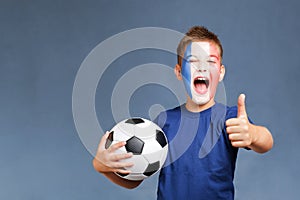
177 71
222 73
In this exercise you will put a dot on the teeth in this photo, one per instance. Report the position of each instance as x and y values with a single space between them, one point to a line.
203 79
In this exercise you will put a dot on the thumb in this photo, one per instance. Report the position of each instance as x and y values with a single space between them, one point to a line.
241 106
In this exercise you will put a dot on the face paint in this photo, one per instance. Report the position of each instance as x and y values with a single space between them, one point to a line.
201 71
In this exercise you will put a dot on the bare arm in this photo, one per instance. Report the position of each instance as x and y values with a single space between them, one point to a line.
262 140
107 162
114 178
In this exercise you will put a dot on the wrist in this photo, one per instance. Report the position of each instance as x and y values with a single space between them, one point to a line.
253 134
98 166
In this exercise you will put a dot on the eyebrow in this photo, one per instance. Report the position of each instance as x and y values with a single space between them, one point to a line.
214 56
188 56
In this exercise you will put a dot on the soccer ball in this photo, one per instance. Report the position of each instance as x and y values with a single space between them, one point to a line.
146 141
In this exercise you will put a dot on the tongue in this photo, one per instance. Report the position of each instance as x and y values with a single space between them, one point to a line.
201 88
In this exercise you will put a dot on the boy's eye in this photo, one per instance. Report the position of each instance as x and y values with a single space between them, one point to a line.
212 61
192 60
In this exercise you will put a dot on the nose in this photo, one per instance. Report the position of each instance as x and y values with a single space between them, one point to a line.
201 67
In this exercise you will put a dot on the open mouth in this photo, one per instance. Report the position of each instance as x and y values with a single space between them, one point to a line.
201 85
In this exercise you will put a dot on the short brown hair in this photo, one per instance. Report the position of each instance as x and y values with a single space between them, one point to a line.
197 33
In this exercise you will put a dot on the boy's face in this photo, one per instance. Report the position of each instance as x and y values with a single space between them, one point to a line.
202 70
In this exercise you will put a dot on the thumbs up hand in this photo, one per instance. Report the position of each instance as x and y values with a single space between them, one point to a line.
238 129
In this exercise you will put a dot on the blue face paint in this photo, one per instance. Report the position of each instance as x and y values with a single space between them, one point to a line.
186 70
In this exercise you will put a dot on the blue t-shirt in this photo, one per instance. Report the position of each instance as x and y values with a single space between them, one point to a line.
201 160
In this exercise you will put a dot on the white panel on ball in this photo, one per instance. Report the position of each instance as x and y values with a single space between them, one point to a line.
140 164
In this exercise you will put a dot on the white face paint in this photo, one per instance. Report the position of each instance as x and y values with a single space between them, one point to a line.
201 71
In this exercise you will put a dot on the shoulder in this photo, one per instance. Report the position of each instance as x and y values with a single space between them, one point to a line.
231 112
167 115
223 111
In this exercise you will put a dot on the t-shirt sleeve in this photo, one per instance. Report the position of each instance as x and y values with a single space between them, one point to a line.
160 120
232 113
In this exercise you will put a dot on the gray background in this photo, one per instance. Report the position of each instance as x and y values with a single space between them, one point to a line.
43 43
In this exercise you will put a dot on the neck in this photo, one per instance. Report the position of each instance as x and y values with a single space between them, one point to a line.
193 107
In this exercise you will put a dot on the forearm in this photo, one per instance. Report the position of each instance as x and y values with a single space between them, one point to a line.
114 178
262 140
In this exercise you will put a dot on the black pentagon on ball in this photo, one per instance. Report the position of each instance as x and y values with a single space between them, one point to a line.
160 138
152 168
134 145
134 121
109 140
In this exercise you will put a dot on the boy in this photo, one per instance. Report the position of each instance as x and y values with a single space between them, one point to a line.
204 167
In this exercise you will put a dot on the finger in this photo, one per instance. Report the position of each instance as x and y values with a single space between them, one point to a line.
241 106
234 129
123 171
121 165
235 137
233 122
103 141
122 156
116 146
242 140
239 144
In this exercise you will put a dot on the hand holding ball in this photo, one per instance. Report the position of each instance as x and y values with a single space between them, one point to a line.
146 141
